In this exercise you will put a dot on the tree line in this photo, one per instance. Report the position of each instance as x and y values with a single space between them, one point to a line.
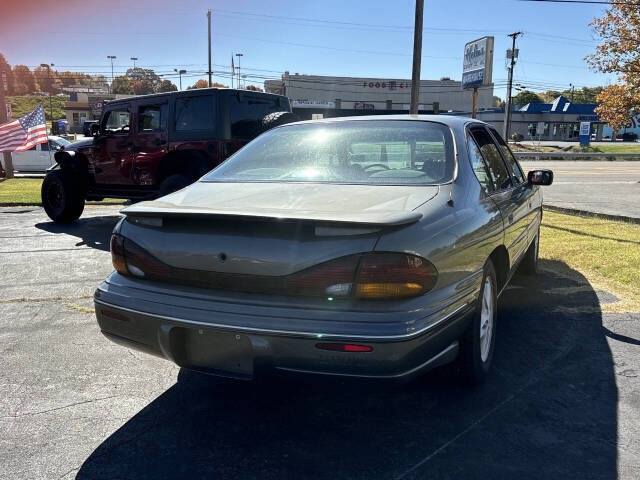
136 81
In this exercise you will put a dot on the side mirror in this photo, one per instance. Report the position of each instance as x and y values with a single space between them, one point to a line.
95 129
540 177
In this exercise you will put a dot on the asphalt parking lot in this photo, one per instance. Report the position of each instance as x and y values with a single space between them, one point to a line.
612 188
563 400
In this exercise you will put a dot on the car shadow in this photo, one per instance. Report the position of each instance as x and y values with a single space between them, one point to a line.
93 232
548 409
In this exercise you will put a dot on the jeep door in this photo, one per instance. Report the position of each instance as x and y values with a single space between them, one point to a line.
150 141
112 147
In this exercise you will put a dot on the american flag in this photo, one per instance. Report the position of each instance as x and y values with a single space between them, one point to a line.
24 133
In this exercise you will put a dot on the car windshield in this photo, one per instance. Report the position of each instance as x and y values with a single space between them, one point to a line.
391 152
62 141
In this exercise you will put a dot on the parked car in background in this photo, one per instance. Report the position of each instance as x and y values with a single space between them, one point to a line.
39 157
86 127
371 247
152 145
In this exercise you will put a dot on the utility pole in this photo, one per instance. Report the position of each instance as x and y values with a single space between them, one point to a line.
417 58
209 25
507 121
573 87
112 58
43 65
134 61
180 72
239 55
4 87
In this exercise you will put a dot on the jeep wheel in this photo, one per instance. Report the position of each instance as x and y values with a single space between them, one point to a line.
173 183
276 119
62 196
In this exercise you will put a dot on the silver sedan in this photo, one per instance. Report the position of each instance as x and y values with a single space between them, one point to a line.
362 247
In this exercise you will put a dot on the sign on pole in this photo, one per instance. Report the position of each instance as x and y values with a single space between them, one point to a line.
477 65
585 133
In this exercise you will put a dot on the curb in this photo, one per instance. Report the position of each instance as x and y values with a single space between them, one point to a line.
585 213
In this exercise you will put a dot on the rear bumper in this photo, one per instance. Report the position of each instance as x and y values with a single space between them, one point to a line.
247 343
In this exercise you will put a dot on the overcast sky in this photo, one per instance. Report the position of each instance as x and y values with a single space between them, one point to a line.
332 37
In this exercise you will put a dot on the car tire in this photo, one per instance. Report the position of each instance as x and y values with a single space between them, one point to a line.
529 264
62 194
276 119
173 183
478 342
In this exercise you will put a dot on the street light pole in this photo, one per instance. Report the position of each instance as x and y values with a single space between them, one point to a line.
239 55
180 72
112 58
417 58
209 26
134 61
43 65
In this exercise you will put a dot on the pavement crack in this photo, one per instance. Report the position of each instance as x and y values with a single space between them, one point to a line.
75 404
43 299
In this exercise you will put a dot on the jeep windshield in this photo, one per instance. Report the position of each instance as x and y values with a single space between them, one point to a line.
391 152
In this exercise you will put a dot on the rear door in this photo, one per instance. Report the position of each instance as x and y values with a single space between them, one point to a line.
150 141
112 154
503 190
26 161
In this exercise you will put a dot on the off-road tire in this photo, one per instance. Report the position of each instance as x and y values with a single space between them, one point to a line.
63 195
276 119
529 263
173 183
473 367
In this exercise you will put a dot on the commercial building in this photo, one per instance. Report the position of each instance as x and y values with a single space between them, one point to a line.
313 96
558 120
84 106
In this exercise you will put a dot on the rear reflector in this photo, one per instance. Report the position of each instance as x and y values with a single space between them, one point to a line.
344 347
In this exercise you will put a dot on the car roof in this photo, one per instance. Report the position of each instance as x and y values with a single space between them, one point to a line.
188 92
449 120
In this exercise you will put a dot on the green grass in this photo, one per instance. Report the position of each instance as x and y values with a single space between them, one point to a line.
26 191
20 106
613 148
606 252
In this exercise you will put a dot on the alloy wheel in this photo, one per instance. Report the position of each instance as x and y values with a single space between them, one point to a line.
486 319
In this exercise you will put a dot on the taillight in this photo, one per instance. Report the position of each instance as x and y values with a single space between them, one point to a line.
365 276
117 254
128 258
389 275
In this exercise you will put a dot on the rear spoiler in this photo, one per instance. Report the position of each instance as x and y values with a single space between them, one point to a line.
164 209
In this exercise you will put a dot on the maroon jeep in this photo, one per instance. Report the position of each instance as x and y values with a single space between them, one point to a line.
151 145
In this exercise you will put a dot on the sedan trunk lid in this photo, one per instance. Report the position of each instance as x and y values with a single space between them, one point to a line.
269 228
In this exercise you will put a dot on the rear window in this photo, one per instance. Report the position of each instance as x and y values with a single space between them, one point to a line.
361 152
194 113
247 112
